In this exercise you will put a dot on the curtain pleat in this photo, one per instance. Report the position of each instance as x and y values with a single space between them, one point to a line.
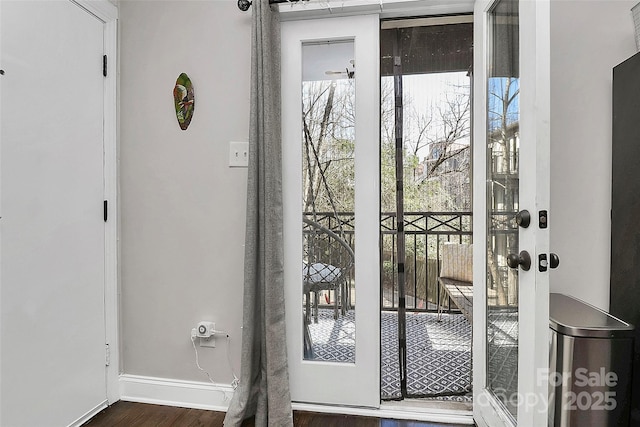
264 380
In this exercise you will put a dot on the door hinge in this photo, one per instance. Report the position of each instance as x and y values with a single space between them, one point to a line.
104 65
107 355
105 210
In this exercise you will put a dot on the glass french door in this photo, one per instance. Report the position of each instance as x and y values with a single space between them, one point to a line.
511 202
330 108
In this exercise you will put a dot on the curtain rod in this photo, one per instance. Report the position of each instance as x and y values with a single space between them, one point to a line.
244 5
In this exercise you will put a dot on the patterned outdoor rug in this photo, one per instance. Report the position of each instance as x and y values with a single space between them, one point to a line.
438 353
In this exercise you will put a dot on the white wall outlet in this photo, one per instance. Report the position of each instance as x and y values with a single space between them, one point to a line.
205 331
238 154
208 342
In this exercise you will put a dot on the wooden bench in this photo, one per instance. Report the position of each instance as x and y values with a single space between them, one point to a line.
456 278
460 293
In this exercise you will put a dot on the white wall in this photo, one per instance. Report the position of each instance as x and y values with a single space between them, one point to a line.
588 38
182 207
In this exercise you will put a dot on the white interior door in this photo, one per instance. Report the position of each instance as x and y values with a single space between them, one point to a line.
52 228
318 60
511 174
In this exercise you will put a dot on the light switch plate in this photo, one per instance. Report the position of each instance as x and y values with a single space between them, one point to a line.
238 154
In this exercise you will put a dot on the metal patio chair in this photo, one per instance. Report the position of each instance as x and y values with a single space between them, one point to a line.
327 262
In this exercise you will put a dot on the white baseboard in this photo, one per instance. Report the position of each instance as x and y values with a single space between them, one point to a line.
169 392
215 397
86 417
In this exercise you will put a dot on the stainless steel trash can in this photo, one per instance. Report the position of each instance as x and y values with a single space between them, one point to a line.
590 365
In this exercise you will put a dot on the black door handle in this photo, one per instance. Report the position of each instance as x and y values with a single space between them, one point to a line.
523 259
554 261
523 218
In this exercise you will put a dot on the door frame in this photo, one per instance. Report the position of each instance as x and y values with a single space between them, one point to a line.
537 122
107 12
334 383
533 353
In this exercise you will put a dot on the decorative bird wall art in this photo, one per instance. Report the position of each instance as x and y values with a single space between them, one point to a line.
184 100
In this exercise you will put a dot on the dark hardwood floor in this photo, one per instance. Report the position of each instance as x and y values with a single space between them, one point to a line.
143 415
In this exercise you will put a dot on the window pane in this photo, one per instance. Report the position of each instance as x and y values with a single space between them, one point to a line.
503 142
328 184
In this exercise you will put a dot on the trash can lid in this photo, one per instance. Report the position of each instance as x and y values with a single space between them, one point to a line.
570 316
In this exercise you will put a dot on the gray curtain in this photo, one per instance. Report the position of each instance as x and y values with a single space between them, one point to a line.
264 380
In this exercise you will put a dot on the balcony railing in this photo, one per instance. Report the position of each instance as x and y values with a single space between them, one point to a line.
425 233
